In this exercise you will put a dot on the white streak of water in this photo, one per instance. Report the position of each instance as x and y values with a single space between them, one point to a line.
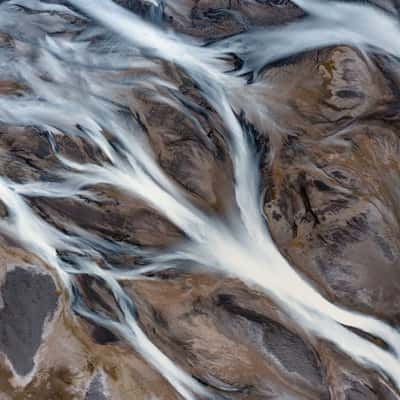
76 103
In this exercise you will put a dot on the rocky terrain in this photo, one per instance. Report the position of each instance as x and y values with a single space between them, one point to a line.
326 131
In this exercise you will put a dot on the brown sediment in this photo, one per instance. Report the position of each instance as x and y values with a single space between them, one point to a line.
228 337
195 156
329 204
330 178
212 20
11 87
68 359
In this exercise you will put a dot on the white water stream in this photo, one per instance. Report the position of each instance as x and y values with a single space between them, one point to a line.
75 90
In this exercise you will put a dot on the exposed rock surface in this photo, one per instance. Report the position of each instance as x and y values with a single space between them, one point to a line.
96 389
330 177
330 208
29 298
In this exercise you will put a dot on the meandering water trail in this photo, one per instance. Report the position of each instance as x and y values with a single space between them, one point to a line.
75 89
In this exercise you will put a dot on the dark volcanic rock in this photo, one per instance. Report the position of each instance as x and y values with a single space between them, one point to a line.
29 298
96 389
326 126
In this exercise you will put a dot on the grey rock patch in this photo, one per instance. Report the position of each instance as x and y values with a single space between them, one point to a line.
96 389
360 392
295 355
29 298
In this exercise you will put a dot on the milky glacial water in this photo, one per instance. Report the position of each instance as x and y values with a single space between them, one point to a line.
76 89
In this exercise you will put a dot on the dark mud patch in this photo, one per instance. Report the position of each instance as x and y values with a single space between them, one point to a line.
29 298
96 389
